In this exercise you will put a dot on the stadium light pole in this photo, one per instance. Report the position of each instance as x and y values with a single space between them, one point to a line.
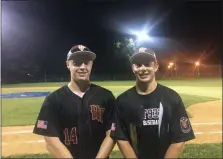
171 68
175 68
197 64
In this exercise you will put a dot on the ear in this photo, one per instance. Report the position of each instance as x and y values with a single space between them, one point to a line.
156 67
67 63
133 68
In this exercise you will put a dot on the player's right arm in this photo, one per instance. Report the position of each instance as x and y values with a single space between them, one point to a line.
48 125
57 148
119 133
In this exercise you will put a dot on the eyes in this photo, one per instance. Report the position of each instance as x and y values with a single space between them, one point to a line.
148 64
79 63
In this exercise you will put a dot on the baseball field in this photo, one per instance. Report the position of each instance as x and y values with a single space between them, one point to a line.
202 98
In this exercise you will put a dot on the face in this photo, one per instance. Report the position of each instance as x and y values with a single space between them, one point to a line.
80 68
145 71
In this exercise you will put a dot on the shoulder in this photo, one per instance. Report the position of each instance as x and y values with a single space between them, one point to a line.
56 94
169 93
126 95
103 91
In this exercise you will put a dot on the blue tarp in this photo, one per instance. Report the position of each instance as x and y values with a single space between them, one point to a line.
25 94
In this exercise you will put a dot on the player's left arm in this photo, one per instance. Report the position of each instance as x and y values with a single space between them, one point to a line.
180 131
106 147
108 143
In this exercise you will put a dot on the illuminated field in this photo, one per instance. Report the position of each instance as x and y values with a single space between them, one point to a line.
24 111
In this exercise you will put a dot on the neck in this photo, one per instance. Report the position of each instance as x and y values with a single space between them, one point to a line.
79 87
146 87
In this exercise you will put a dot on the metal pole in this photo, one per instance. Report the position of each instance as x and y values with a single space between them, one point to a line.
176 68
169 72
198 71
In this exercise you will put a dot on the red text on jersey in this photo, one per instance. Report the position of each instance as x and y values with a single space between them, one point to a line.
70 138
97 113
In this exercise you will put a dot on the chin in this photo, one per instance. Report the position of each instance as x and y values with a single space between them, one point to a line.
144 80
83 79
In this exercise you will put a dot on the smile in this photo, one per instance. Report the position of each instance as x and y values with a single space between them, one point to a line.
144 75
82 73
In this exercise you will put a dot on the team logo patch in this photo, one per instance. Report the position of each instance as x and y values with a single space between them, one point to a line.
185 125
97 112
142 49
81 47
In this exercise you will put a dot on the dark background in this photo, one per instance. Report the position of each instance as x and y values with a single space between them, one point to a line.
37 35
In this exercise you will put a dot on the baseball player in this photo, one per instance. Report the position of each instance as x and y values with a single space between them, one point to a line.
75 120
151 121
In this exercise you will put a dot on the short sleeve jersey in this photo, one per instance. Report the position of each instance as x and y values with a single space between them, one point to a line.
79 123
138 119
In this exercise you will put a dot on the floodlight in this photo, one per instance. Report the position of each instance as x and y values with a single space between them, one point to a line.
197 63
142 36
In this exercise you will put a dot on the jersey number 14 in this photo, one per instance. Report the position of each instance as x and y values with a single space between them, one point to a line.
72 137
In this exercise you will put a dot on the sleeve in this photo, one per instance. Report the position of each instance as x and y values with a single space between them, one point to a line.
180 127
47 123
119 128
110 106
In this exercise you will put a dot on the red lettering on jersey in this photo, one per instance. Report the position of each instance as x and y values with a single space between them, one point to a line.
97 113
72 137
66 137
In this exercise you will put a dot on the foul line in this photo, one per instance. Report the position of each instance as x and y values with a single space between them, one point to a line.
25 142
17 132
209 132
42 141
208 123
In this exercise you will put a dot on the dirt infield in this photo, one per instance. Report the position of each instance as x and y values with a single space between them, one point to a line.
206 112
206 122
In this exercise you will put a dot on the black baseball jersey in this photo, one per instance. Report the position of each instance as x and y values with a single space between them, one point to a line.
80 123
152 122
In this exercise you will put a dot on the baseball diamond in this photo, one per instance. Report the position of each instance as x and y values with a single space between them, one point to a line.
205 109
92 79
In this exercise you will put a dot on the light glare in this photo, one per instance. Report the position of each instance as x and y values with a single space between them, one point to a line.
197 63
141 35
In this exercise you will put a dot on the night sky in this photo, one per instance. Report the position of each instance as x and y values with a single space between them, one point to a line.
39 34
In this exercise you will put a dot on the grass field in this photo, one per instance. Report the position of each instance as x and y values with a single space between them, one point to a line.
203 82
191 151
27 108
191 91
24 111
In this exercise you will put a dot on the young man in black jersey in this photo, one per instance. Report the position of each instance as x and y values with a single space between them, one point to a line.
151 120
75 120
